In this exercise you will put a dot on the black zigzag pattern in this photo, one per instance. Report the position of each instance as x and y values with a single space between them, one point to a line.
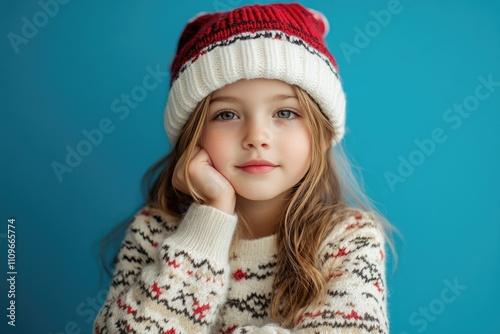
255 303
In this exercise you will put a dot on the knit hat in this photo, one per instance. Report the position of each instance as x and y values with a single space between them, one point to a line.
276 41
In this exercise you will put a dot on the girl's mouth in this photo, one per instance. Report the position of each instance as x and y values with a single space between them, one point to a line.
257 167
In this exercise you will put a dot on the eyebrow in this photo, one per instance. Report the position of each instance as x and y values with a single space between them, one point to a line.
275 98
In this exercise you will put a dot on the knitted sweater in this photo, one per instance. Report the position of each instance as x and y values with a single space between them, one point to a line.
192 277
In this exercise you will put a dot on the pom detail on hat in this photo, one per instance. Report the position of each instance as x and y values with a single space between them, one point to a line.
282 41
322 20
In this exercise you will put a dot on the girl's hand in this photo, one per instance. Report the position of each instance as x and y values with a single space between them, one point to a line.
214 189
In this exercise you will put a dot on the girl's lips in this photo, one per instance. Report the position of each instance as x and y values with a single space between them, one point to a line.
258 169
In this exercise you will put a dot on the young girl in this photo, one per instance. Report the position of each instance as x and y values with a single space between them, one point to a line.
252 226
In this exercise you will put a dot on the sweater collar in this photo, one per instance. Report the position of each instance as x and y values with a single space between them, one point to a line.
254 248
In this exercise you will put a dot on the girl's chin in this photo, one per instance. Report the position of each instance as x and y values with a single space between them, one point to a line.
259 195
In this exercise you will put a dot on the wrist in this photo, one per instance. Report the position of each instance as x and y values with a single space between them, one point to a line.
224 205
205 231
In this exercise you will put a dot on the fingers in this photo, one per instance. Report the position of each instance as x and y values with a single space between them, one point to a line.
205 182
205 179
200 158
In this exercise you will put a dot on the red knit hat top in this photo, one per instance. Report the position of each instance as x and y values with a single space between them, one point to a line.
275 41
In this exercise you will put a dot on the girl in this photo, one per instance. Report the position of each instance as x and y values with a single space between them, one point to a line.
252 226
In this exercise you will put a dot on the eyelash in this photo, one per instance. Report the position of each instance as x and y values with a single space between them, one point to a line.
219 115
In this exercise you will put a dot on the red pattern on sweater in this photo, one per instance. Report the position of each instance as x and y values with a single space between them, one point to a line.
189 304
239 275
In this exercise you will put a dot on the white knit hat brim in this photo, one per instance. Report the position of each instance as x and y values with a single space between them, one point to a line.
248 56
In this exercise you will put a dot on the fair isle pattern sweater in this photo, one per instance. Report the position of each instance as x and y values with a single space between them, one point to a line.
192 277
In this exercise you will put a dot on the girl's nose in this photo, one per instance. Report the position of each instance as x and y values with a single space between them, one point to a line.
258 135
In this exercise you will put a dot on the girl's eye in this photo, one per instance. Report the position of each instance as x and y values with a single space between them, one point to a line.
285 114
226 116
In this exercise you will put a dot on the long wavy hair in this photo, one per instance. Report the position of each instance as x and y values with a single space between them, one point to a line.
326 195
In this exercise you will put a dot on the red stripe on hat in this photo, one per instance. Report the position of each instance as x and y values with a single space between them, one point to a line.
291 19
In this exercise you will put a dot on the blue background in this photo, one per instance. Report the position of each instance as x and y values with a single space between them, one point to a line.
401 79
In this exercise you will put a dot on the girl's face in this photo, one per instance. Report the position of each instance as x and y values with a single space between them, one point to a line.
257 137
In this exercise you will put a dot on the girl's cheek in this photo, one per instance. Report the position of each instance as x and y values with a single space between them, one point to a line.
209 137
214 144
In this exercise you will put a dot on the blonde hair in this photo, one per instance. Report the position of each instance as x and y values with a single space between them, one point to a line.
326 195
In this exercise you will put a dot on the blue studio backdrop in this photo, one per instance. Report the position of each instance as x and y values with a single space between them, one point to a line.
83 87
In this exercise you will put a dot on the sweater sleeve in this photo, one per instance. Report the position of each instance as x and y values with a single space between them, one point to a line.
169 279
353 264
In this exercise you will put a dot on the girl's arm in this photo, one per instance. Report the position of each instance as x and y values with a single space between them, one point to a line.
354 266
169 279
